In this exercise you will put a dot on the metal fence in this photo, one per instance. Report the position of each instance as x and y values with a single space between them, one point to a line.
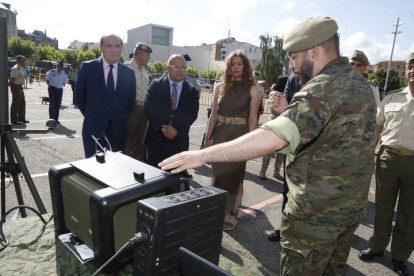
206 98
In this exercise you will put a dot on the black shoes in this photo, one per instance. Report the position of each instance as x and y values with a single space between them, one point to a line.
368 255
15 123
24 122
275 236
400 268
186 174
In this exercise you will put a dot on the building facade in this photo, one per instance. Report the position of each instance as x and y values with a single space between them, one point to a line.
39 38
398 65
203 57
159 38
10 16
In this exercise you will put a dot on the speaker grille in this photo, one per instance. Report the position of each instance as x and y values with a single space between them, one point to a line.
125 221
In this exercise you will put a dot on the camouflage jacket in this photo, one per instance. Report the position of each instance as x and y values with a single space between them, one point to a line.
330 126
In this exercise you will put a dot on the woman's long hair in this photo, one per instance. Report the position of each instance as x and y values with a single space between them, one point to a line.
227 77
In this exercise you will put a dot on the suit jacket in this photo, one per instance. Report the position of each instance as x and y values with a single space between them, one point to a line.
98 106
157 108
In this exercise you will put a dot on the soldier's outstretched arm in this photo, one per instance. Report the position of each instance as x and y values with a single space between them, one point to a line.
254 144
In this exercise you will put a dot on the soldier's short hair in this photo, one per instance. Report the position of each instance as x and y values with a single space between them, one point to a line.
332 45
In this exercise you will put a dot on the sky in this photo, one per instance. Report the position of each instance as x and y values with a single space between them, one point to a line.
363 25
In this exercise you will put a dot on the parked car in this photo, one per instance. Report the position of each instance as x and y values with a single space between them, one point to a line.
204 85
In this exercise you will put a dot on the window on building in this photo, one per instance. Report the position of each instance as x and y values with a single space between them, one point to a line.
398 66
250 49
404 67
160 36
403 73
379 66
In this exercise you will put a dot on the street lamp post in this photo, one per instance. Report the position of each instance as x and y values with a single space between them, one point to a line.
392 51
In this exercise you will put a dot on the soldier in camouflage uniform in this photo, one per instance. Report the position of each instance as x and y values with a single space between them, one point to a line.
327 132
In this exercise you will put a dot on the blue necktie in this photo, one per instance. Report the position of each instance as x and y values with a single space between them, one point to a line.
110 82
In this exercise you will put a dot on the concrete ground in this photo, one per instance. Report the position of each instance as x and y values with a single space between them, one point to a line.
246 245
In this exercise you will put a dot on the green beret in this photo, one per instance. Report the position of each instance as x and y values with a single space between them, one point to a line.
410 58
143 47
359 56
310 33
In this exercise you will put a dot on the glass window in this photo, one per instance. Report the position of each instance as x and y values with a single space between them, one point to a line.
160 36
403 73
398 66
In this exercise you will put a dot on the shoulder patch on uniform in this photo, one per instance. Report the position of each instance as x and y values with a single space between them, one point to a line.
394 91
301 94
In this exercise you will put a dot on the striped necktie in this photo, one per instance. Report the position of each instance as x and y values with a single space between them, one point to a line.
174 96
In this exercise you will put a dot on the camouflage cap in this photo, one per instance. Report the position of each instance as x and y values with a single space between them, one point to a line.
310 33
143 47
410 58
359 56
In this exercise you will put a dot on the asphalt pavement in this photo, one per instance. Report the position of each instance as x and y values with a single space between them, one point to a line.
246 245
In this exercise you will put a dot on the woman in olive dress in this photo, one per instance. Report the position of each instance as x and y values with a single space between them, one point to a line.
234 113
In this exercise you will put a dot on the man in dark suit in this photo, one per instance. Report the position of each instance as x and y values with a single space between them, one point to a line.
105 94
171 107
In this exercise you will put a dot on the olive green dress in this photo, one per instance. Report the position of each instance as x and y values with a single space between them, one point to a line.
229 176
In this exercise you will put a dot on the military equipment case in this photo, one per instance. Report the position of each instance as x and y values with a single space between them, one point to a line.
97 202
193 220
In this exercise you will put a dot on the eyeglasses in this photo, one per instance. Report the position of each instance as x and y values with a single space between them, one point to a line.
177 67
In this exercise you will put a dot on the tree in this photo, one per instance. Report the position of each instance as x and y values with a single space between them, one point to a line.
85 56
394 81
18 46
70 56
211 74
85 46
192 71
97 51
47 52
157 67
274 60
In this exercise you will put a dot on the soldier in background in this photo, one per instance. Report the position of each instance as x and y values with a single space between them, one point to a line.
73 78
256 77
329 162
395 176
16 82
360 62
137 121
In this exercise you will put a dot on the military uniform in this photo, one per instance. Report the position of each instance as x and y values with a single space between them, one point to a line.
329 125
395 176
56 81
73 78
18 106
137 121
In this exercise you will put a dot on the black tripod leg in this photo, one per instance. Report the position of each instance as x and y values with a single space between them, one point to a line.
22 165
16 183
3 177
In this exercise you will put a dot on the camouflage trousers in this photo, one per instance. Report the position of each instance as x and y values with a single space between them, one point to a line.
278 162
314 249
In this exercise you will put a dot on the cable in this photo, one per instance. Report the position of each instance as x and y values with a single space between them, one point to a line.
138 238
3 219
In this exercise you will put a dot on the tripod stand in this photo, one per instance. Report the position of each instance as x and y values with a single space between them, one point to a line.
8 145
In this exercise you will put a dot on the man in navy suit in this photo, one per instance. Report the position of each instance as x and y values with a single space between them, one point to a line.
105 94
171 107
